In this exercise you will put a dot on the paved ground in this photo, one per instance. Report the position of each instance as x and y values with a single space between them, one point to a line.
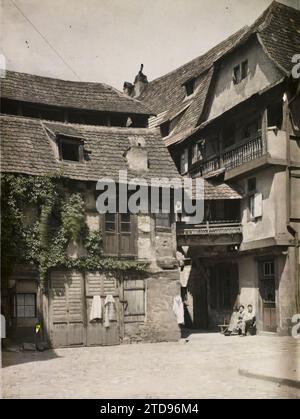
205 367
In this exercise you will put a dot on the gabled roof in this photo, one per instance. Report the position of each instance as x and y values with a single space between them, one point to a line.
167 92
26 148
277 30
69 94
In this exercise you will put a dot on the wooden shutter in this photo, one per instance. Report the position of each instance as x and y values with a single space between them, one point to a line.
120 235
110 236
134 295
258 205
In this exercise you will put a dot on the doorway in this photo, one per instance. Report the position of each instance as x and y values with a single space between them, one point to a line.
267 288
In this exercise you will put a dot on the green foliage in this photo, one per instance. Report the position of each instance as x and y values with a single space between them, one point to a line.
59 220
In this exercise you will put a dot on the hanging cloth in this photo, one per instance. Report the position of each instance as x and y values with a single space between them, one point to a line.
96 310
178 309
110 310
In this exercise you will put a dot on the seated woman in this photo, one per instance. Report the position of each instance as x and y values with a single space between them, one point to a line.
249 321
236 321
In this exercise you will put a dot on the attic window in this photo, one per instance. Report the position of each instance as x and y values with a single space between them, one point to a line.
240 72
190 87
244 69
70 149
165 129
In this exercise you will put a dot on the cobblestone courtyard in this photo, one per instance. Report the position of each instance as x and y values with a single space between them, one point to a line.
207 366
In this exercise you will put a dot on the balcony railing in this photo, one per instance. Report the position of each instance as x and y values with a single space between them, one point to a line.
210 233
231 157
250 150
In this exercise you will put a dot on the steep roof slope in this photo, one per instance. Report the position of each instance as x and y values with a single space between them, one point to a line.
278 31
26 148
70 94
167 92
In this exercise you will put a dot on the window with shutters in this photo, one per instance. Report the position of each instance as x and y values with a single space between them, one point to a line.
119 238
254 201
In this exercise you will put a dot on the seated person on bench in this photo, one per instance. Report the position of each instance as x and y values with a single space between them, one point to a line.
236 321
248 324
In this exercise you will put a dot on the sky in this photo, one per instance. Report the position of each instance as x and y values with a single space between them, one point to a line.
107 40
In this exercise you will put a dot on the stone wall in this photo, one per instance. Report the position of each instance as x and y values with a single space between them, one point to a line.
160 322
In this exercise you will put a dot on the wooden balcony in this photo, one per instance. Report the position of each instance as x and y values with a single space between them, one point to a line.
246 151
213 233
245 155
231 157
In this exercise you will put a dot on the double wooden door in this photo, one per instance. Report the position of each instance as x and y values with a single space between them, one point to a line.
70 302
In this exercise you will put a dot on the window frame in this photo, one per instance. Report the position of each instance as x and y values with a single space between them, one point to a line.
16 315
190 87
74 142
165 129
251 196
159 216
240 72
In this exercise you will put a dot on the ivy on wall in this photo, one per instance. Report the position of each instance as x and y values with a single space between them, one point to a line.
40 220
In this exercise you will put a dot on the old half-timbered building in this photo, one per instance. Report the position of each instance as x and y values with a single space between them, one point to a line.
231 116
72 276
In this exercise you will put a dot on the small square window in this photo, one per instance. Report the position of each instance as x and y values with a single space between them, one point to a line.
165 129
70 149
268 268
244 69
237 74
190 87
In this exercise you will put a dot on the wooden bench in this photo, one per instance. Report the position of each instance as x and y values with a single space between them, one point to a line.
223 328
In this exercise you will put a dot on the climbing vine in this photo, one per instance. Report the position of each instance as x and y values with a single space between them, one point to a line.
40 221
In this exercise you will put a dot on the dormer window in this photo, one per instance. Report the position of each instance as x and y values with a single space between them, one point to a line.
244 70
190 87
240 72
165 129
70 149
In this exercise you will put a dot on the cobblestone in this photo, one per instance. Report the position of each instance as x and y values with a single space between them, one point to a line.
204 367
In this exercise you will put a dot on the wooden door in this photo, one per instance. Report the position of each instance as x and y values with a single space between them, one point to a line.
103 285
66 309
268 295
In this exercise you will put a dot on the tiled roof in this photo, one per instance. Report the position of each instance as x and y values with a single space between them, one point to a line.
69 94
281 34
167 92
26 148
216 190
278 30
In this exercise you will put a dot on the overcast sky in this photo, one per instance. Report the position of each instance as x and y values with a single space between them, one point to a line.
106 40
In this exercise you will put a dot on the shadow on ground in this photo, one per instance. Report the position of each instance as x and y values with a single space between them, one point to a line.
21 357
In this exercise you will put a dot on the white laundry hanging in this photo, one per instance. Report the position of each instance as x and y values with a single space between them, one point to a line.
109 309
96 309
178 309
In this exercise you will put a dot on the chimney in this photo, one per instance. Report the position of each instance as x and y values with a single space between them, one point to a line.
128 88
140 82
